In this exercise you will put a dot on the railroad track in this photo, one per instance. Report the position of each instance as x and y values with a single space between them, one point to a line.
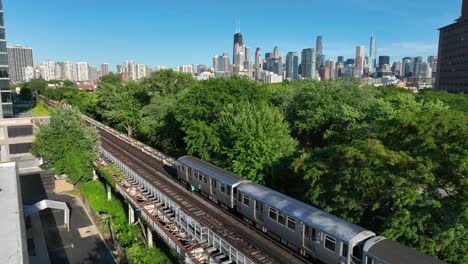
244 238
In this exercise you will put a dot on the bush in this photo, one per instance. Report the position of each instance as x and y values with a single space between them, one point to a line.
138 253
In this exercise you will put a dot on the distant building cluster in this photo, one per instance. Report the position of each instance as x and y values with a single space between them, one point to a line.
447 71
311 63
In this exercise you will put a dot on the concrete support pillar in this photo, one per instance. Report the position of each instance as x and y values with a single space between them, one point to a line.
109 192
131 215
149 236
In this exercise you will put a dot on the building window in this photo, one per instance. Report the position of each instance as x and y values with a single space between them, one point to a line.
20 131
272 214
291 223
246 200
330 243
20 148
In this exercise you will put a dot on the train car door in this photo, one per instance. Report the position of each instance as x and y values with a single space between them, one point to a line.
310 240
258 211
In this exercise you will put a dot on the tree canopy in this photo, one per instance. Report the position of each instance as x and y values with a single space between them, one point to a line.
384 158
67 144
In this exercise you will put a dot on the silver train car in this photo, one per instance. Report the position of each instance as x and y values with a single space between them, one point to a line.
215 183
302 227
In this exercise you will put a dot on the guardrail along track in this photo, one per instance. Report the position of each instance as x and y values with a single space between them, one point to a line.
247 241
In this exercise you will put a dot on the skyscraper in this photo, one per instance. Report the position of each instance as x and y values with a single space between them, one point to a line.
331 66
359 67
308 63
6 110
319 51
292 63
258 64
19 57
340 59
104 69
238 50
372 53
383 60
276 53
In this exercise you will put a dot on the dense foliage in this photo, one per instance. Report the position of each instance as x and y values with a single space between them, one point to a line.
387 159
127 235
67 145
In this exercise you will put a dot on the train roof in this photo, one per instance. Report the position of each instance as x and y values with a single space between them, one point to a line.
211 170
310 215
393 252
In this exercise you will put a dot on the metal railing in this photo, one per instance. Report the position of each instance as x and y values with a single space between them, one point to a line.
193 229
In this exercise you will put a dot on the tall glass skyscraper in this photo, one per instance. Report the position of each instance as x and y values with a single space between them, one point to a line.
5 92
308 63
372 53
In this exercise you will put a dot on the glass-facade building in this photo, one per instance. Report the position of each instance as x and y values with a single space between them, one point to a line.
5 92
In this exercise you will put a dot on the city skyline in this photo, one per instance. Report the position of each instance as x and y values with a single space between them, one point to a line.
172 44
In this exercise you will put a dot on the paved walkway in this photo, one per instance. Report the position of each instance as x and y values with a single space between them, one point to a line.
82 244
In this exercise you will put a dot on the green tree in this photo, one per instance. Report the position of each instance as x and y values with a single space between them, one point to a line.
159 126
38 85
254 137
68 145
119 103
167 82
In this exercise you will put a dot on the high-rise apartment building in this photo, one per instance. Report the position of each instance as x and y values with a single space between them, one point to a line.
330 65
82 71
308 63
70 71
292 63
452 62
104 69
19 57
48 70
372 54
359 66
6 110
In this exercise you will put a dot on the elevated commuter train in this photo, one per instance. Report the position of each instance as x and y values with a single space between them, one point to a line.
312 232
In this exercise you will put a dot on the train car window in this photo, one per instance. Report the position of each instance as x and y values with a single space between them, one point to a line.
330 243
205 179
291 223
189 171
240 197
222 188
281 218
344 250
369 260
272 214
195 173
314 234
246 200
306 231
228 190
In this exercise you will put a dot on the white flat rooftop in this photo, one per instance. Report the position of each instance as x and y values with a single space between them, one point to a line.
13 246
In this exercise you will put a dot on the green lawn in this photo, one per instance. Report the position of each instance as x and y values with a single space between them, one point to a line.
40 110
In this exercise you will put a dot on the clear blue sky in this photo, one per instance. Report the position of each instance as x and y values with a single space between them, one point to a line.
175 32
